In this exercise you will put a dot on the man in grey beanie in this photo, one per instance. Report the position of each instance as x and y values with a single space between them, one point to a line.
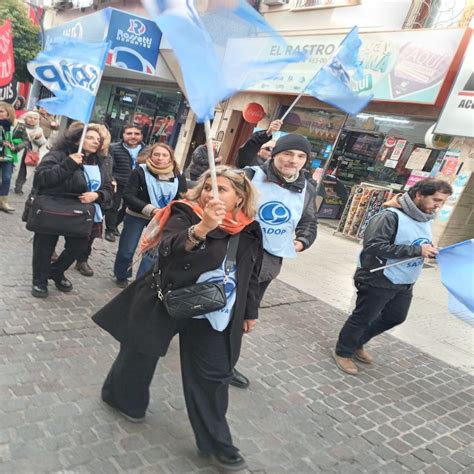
286 211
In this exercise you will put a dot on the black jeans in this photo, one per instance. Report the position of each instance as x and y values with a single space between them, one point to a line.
43 248
205 371
377 310
115 214
21 177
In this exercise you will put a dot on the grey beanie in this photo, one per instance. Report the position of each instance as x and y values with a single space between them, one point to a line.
292 142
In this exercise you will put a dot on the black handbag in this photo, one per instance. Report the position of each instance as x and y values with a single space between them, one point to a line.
199 298
59 215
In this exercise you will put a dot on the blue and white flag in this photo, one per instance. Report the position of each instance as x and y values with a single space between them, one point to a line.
333 82
456 264
71 69
218 49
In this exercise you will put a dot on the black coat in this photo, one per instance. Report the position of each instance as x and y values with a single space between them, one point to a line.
247 155
59 175
122 162
136 195
137 319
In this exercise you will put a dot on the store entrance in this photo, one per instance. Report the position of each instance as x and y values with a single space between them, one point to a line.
154 111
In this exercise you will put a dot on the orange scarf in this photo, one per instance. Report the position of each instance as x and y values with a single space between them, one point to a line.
154 230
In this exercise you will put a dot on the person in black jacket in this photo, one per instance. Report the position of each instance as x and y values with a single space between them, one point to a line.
286 211
125 156
402 231
191 248
200 161
152 185
258 148
64 172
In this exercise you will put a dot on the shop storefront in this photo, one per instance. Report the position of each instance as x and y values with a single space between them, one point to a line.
137 86
383 148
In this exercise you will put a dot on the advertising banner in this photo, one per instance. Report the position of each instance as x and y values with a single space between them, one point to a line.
135 41
399 66
7 62
457 117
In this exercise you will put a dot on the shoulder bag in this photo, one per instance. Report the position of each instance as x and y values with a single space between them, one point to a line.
59 215
199 298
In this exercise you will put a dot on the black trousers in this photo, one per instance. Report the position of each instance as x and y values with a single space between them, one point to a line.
21 177
262 288
115 214
43 248
205 370
377 310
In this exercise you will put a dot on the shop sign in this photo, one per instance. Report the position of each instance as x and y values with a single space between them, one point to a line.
9 93
135 41
253 113
396 154
7 62
457 116
400 66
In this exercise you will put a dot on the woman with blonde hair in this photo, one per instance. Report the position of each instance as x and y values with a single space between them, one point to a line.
152 185
198 240
13 139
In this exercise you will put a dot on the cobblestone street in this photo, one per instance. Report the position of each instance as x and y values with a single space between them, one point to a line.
407 412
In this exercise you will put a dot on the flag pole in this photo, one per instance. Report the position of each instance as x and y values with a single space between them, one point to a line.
210 157
298 97
400 262
83 136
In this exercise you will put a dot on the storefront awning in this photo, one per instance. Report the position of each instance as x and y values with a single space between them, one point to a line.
135 43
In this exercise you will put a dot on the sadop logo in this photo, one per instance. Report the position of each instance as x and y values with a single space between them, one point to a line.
136 27
274 213
421 241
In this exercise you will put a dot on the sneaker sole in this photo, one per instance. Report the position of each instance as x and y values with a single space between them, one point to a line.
334 356
64 290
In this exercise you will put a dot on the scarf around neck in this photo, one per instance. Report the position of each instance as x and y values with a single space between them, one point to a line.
166 171
412 210
154 230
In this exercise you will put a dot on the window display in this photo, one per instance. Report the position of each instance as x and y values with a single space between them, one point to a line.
154 111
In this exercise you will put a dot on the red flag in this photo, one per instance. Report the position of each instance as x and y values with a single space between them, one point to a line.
7 63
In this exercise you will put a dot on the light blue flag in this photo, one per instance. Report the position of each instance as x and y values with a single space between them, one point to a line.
71 69
456 264
219 50
332 83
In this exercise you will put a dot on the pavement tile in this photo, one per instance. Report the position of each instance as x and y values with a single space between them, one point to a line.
407 412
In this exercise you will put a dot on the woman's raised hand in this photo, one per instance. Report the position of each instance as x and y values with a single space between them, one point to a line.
77 158
214 213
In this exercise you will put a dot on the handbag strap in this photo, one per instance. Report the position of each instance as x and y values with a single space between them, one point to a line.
230 260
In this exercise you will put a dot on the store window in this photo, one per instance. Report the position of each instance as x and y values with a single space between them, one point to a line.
154 111
384 150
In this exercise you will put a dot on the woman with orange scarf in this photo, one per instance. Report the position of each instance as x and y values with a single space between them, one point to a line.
191 239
